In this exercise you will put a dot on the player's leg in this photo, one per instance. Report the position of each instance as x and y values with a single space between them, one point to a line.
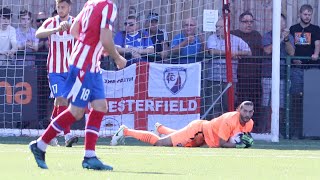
62 104
144 136
53 85
93 91
189 136
57 83
65 119
181 137
161 129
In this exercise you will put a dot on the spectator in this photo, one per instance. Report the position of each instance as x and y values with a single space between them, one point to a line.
158 36
286 49
306 39
26 38
54 13
41 17
216 68
249 69
43 42
133 42
8 40
187 43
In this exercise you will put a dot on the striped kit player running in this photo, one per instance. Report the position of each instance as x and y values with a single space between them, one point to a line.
93 30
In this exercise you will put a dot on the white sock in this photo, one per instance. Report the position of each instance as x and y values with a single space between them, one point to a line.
67 136
41 144
89 153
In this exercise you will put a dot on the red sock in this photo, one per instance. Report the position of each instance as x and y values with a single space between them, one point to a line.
54 112
57 125
92 129
60 110
144 136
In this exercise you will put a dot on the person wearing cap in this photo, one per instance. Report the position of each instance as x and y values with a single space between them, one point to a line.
135 45
43 42
159 37
8 39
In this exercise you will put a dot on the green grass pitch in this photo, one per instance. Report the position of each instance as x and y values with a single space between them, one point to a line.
285 160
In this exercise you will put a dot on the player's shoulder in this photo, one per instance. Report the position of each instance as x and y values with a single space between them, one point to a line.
49 22
231 114
231 117
101 3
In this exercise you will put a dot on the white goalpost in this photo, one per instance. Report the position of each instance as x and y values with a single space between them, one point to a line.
275 93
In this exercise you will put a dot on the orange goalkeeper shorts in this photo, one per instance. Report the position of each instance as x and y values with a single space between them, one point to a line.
189 136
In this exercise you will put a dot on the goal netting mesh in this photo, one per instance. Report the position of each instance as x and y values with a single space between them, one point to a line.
24 93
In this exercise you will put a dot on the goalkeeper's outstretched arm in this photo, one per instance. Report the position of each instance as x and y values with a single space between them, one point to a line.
246 142
226 144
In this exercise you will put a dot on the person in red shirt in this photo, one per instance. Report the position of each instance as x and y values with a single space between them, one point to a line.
214 133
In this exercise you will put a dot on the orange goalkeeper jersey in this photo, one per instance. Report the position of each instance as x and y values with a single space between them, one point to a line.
224 127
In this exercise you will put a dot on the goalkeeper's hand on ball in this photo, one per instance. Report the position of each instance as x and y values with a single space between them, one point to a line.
247 140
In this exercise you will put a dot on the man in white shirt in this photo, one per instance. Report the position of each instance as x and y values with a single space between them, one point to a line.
216 75
8 40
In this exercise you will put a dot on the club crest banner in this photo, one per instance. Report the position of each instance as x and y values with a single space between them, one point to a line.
145 93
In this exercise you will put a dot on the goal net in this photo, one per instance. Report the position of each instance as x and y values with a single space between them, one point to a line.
189 34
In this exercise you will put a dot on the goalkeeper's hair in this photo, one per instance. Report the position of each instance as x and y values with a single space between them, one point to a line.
247 103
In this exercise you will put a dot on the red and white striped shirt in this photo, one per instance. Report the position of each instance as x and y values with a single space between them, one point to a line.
60 46
95 15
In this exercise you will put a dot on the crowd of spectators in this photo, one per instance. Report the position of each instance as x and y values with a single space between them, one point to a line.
146 42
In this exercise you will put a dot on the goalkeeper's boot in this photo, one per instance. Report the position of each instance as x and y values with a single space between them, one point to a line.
38 154
156 126
72 140
118 137
95 164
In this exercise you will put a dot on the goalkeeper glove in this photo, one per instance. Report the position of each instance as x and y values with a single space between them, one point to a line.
240 145
247 139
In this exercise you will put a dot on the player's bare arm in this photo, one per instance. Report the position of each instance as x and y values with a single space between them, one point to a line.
74 30
43 32
226 144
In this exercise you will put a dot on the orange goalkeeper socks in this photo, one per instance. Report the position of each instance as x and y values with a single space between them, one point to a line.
144 136
165 130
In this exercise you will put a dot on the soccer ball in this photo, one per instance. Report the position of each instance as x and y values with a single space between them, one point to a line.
236 138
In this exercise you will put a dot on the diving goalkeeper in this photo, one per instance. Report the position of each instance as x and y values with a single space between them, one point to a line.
214 133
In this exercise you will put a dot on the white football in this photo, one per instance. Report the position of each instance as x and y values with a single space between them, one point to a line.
236 138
